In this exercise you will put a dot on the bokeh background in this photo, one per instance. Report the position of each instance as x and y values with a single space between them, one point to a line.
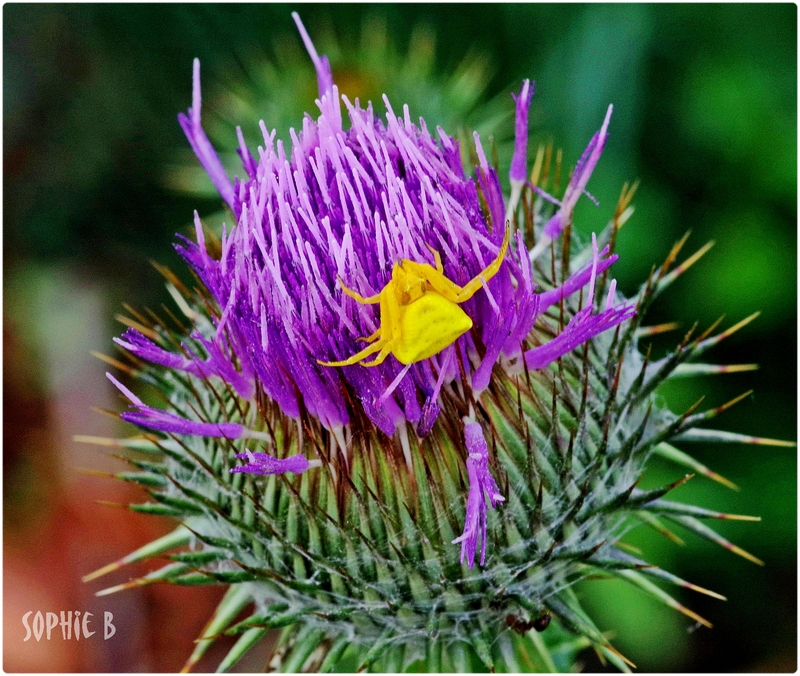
97 181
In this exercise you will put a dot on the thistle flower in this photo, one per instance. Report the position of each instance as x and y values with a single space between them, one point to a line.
275 87
506 406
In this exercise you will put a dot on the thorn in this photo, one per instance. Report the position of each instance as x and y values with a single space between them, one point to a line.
610 647
711 535
673 254
547 159
658 328
654 523
675 455
137 315
97 441
120 587
629 548
703 590
112 362
105 411
680 482
623 218
693 408
737 368
689 262
170 277
557 176
687 337
741 552
732 402
107 503
622 212
141 328
593 550
699 434
738 517
600 655
648 289
729 332
690 613
95 472
110 568
180 301
710 330
711 369
549 552
721 479
537 165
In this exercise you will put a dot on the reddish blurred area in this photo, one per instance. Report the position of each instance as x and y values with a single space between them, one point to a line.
54 531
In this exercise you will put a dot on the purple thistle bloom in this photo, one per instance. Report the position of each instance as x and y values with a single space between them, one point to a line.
217 364
519 168
261 463
575 188
483 491
201 145
163 421
583 326
341 206
348 205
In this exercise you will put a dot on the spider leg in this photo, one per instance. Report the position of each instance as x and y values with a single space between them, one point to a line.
390 329
385 352
358 356
471 287
449 289
372 337
437 259
371 300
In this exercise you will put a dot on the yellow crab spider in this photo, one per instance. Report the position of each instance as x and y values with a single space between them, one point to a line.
419 311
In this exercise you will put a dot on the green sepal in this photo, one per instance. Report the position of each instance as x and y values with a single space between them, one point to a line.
335 652
235 599
146 479
245 642
157 510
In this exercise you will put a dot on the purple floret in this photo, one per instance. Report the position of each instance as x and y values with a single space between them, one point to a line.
580 177
341 204
261 463
519 169
483 492
347 204
164 421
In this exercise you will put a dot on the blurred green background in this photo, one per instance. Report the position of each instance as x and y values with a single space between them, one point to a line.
96 183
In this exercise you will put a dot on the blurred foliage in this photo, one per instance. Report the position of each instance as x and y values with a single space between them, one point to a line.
705 115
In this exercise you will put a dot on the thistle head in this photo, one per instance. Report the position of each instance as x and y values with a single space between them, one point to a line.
441 499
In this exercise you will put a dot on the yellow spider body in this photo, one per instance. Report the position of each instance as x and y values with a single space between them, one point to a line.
419 311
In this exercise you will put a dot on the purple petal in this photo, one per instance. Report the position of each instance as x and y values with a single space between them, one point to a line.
157 419
575 282
201 145
136 343
483 491
322 65
580 177
583 327
519 169
261 463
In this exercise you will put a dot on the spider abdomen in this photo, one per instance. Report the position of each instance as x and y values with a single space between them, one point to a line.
427 326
